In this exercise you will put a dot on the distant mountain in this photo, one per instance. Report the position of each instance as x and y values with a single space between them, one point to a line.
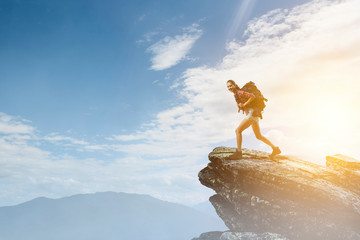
103 216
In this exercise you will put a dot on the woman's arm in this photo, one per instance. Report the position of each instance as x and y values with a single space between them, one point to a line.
243 105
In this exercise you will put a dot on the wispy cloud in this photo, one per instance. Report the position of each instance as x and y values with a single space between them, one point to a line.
10 124
169 51
55 138
244 9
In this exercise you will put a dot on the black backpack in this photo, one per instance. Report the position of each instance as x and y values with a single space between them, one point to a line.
259 101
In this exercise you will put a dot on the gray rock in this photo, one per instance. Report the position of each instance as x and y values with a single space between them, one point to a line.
348 168
209 236
251 236
239 236
286 195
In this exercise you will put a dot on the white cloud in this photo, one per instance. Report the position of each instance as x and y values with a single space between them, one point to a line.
55 138
244 9
169 51
10 124
130 137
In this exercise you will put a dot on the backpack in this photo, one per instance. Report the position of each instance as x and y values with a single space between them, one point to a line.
259 101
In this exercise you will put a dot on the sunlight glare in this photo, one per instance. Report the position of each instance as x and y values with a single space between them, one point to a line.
332 121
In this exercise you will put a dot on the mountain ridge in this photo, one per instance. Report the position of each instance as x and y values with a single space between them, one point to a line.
107 215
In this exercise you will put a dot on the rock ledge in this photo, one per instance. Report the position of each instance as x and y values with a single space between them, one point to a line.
285 195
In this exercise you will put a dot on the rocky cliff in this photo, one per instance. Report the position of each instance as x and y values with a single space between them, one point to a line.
285 196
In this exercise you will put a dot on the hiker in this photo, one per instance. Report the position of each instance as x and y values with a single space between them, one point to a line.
246 103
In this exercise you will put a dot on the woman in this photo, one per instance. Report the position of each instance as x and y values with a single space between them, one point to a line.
243 99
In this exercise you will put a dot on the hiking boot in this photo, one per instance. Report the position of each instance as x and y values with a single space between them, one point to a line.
237 155
275 151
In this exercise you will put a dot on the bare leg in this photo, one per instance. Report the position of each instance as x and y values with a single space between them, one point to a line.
245 123
256 128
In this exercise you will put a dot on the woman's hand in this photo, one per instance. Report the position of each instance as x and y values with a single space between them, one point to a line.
241 105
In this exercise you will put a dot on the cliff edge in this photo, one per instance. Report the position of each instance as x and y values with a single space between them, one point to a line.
285 195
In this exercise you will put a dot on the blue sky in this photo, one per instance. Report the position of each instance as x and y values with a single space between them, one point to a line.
130 95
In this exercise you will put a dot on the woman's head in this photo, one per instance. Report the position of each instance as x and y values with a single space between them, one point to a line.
232 86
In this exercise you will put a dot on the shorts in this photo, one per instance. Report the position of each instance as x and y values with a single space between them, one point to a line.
252 114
